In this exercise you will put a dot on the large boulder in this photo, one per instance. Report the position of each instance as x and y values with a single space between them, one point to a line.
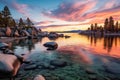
16 33
9 65
43 34
25 33
53 35
8 31
51 45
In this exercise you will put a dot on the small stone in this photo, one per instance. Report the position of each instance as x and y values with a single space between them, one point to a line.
30 67
27 62
22 54
40 67
90 71
46 66
58 63
92 77
52 67
39 77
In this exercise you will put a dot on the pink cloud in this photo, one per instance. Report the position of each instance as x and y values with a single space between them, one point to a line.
21 8
71 11
86 10
101 15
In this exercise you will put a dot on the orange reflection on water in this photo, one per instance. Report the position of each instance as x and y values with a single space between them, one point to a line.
108 46
77 54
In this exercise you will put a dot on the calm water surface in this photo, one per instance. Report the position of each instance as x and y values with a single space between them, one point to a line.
109 46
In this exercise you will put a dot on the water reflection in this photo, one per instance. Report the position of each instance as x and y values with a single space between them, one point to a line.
108 45
107 41
29 44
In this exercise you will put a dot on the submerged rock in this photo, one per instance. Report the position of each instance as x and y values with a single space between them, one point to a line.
53 35
30 67
112 68
92 77
61 35
66 36
51 45
9 65
58 63
90 71
39 77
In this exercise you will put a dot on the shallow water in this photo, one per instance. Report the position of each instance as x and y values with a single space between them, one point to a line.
79 50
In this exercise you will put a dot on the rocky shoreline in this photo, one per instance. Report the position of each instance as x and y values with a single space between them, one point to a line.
66 63
60 66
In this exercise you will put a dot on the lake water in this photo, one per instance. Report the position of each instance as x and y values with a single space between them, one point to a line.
109 46
102 53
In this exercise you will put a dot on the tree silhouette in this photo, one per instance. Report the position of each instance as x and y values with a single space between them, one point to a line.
1 20
106 25
111 24
12 23
21 23
95 27
92 27
6 16
29 23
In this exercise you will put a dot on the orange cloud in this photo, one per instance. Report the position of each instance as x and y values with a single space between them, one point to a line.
86 11
71 11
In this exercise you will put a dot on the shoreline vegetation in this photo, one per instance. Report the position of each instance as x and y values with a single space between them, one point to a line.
109 28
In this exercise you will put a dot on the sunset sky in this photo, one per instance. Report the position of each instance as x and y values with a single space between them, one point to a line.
58 15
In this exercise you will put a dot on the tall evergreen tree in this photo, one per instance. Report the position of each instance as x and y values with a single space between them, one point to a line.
13 23
106 24
111 24
29 23
6 16
92 27
1 20
21 23
95 27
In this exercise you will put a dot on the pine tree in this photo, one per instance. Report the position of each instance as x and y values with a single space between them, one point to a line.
111 24
92 27
13 23
21 23
29 23
95 27
6 16
1 20
106 25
